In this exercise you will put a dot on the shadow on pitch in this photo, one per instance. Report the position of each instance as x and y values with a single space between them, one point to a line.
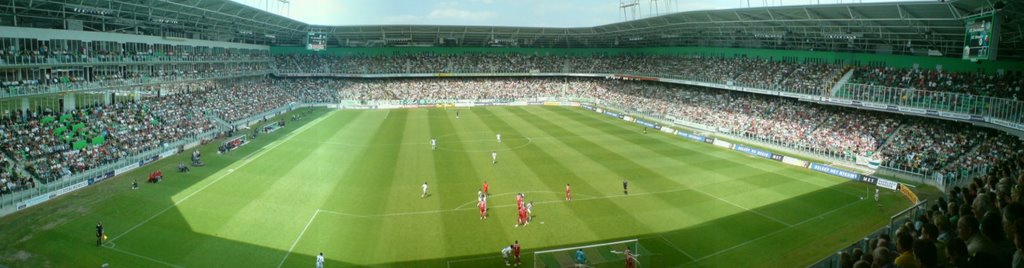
792 227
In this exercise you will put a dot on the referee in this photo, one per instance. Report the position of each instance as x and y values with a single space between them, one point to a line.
99 233
625 186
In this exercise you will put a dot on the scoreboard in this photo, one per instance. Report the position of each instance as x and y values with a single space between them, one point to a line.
316 41
981 37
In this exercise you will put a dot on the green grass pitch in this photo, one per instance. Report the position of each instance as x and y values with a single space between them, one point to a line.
347 183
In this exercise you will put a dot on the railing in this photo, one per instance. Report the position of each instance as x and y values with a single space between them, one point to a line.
999 108
18 61
27 90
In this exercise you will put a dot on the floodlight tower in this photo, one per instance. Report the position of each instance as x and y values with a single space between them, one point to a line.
629 7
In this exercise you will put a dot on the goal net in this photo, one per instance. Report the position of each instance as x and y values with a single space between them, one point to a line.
610 254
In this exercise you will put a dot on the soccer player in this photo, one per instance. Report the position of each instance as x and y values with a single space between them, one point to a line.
499 137
483 209
135 184
519 201
433 144
486 187
457 114
529 211
479 196
625 186
506 253
99 233
515 252
494 157
520 217
876 196
320 260
645 129
630 260
581 259
424 190
568 193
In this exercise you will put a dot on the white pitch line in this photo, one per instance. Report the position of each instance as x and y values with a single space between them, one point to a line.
298 238
772 233
263 151
673 245
742 207
144 257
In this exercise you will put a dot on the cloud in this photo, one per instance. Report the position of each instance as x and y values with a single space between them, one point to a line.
449 12
403 19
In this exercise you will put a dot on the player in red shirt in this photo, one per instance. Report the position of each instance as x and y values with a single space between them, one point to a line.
519 200
515 252
483 209
486 187
524 216
568 193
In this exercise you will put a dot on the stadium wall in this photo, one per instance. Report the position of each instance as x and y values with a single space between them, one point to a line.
897 61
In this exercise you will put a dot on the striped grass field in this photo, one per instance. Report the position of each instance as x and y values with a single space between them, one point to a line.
347 183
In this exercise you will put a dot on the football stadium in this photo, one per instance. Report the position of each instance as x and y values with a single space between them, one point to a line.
473 133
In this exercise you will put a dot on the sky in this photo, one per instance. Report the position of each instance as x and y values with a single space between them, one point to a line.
527 13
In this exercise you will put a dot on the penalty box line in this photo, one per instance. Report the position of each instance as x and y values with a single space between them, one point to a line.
302 233
775 232
141 256
243 164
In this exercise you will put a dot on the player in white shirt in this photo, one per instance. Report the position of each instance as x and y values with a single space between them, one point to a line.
506 253
320 260
433 144
876 194
499 137
494 157
479 196
529 211
424 190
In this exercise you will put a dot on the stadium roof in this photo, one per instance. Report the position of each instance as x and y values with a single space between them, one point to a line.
899 27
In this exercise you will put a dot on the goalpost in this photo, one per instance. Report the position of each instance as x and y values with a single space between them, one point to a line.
610 254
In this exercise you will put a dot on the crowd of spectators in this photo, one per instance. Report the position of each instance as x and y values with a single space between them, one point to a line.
141 53
752 72
764 73
101 77
927 145
1004 85
53 144
10 179
978 225
238 100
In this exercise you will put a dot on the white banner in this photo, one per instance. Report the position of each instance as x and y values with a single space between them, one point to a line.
794 161
668 130
125 169
887 184
69 189
168 153
723 144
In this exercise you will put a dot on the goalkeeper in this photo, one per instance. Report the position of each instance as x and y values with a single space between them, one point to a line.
581 259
